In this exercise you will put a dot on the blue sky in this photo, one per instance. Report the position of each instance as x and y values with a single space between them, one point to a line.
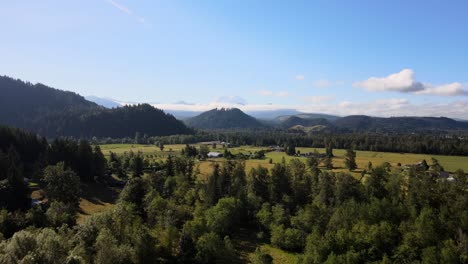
343 57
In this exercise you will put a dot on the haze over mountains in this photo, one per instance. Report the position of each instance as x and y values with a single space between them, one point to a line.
52 112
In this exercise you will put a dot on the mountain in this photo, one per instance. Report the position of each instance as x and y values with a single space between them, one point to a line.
51 112
271 114
182 114
360 123
122 122
282 118
224 118
292 121
107 103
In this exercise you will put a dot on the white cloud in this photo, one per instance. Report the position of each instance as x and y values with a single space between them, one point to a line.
271 93
231 99
126 10
402 81
451 89
318 98
300 77
384 107
405 82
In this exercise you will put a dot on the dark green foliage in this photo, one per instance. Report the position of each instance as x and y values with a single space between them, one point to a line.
62 184
52 113
223 119
189 151
89 164
136 165
261 257
60 213
291 150
259 182
280 184
350 160
328 162
171 216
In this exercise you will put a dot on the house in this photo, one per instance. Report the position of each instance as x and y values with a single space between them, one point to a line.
216 143
276 148
214 155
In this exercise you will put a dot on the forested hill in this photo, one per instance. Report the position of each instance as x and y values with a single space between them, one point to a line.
398 124
224 119
362 123
22 103
51 112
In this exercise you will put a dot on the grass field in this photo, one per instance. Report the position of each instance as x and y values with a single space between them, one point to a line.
245 242
96 198
450 163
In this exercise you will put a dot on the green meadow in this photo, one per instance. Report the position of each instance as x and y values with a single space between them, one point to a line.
450 163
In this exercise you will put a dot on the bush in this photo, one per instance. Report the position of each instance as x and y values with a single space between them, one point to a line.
62 185
59 214
260 257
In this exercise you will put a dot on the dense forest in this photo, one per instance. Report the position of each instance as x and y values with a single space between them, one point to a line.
171 215
223 118
54 113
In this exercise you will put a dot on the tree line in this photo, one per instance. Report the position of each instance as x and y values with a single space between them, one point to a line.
440 144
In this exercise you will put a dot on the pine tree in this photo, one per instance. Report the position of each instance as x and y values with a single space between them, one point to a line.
350 160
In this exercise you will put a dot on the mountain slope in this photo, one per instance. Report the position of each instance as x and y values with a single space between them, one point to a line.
398 124
107 103
282 118
51 112
297 121
223 119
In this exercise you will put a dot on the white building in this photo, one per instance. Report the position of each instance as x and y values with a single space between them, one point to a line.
214 155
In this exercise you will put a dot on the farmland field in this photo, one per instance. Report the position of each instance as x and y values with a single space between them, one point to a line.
450 163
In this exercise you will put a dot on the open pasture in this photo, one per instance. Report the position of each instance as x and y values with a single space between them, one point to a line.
450 163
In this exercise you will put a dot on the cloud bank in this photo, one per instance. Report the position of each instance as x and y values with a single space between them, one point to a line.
382 107
405 82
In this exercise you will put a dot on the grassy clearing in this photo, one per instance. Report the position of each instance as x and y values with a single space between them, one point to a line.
96 198
245 242
280 256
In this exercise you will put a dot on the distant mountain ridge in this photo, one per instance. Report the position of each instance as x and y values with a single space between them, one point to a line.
51 112
223 118
106 102
363 123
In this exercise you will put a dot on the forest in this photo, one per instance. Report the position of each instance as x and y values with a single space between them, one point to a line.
55 113
169 214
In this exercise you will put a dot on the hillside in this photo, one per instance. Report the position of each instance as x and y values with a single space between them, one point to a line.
51 112
362 123
297 121
108 103
282 118
223 119
358 123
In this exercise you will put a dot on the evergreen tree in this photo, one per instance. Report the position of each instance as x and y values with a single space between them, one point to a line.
350 160
328 162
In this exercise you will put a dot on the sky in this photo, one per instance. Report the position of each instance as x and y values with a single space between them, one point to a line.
381 58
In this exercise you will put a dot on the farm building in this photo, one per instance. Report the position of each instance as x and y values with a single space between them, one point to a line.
214 155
